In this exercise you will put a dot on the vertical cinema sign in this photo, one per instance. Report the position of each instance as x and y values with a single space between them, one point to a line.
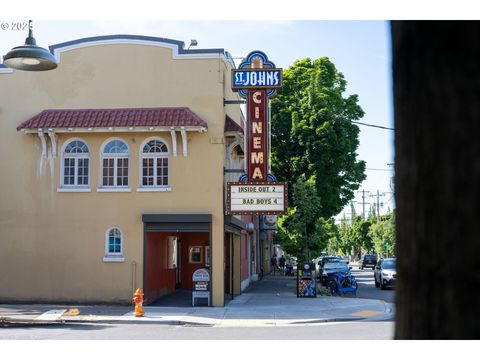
257 79
257 135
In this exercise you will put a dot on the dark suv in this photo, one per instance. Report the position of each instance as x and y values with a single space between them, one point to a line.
368 260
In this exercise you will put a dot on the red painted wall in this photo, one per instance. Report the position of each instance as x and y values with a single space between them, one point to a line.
192 239
159 280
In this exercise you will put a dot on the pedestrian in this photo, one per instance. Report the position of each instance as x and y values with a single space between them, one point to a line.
282 264
273 262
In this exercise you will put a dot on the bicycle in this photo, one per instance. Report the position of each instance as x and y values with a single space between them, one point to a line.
342 283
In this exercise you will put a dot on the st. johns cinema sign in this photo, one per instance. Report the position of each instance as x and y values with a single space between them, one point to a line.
256 79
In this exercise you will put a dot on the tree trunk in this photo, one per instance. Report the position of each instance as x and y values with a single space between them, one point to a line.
436 73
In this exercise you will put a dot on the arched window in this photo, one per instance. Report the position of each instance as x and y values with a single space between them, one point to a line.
114 245
115 164
75 171
154 164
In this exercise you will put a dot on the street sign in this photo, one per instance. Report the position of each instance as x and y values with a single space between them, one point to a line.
256 198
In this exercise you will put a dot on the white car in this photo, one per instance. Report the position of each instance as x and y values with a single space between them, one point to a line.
385 273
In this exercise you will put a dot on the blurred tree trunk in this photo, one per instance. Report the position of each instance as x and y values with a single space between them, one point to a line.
436 74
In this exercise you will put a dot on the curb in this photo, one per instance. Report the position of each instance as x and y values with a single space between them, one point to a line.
320 321
12 322
136 322
219 323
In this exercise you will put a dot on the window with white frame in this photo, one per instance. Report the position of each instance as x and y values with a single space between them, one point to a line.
114 245
154 164
115 165
75 172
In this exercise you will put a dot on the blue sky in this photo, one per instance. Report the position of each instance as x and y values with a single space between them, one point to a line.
359 49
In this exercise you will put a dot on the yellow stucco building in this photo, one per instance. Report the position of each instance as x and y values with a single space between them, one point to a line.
112 172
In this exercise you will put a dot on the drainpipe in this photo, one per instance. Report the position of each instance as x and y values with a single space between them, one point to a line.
134 276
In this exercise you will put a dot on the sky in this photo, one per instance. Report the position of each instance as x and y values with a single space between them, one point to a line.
359 49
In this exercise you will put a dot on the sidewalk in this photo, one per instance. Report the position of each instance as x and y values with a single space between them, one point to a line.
271 301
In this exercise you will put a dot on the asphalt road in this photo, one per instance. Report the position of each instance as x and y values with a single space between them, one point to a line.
367 289
356 330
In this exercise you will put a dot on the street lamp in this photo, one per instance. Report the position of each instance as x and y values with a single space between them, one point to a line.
30 57
193 42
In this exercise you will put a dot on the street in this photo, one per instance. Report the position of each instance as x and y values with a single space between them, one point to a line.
366 286
359 330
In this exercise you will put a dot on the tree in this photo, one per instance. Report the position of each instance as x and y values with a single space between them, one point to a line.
300 223
382 234
361 238
313 134
344 242
436 81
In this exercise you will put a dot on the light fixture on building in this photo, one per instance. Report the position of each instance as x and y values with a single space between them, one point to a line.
30 57
192 43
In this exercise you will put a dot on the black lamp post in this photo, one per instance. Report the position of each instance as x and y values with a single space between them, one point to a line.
30 57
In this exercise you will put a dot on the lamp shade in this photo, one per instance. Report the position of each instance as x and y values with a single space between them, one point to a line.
30 57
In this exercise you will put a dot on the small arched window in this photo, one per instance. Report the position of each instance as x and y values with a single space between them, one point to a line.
75 171
114 245
154 164
115 164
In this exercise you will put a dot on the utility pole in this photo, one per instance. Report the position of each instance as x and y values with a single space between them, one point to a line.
392 178
378 205
363 203
365 193
353 212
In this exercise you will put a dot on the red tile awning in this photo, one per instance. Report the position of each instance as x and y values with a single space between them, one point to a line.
232 126
163 117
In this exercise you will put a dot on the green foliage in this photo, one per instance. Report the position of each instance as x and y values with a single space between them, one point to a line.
313 136
383 233
344 242
302 232
364 235
360 235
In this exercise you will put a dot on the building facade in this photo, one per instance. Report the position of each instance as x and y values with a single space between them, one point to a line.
113 173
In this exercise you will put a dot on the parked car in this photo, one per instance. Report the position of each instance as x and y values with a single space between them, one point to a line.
368 260
324 260
385 273
331 268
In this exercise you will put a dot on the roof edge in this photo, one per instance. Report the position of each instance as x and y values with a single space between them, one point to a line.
177 45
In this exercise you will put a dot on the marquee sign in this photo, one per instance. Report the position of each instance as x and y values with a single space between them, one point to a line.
256 198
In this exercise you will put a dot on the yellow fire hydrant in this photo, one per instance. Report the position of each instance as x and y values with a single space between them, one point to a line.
138 299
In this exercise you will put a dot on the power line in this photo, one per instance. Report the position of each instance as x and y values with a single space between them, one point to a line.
371 125
378 169
353 121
